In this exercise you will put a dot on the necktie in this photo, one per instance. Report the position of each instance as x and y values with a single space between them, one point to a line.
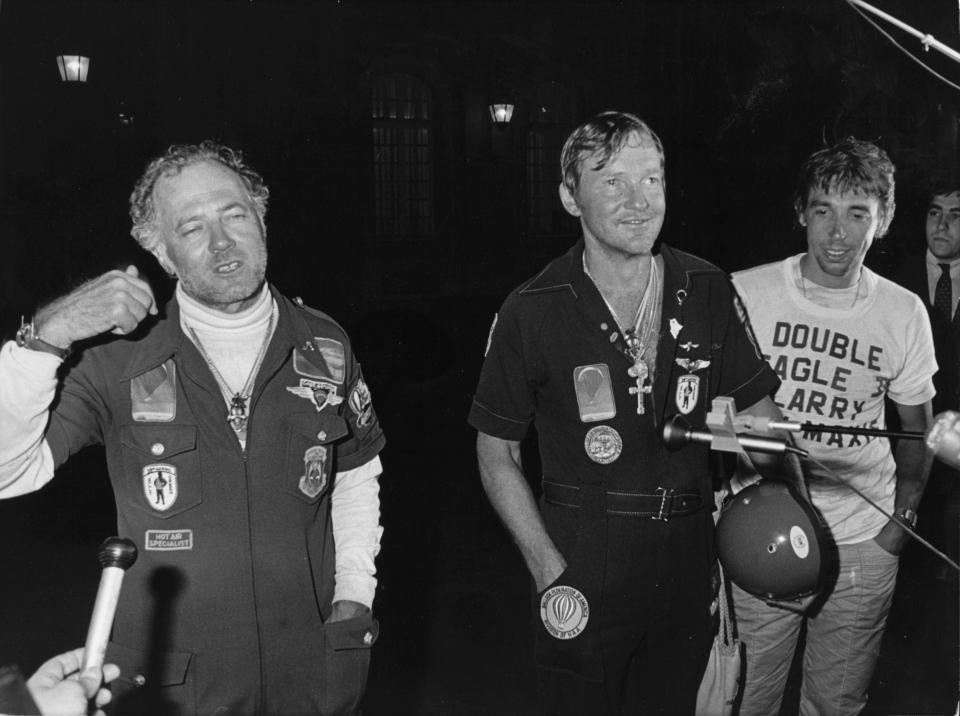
942 295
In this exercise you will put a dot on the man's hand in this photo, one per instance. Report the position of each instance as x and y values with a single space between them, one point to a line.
116 302
345 609
58 688
892 538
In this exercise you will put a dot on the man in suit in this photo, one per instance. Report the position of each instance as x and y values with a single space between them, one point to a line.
935 277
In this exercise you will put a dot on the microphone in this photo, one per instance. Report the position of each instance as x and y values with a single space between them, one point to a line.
678 433
115 556
943 438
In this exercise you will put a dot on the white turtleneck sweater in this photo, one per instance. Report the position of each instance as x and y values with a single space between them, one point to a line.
28 384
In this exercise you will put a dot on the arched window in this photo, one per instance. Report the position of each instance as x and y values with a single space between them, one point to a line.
403 157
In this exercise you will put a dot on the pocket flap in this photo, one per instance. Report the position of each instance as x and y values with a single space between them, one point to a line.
359 633
318 427
159 441
171 667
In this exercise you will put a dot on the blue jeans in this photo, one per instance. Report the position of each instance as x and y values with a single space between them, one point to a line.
842 643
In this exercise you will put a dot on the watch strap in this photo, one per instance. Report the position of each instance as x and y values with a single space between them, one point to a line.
27 338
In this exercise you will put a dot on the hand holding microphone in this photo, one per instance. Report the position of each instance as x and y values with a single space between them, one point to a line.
943 438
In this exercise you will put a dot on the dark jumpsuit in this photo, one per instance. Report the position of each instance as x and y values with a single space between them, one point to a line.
223 612
647 581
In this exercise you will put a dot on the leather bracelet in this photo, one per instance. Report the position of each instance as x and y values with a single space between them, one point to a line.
27 338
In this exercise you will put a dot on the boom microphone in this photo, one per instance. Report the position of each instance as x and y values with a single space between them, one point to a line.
677 433
943 438
115 556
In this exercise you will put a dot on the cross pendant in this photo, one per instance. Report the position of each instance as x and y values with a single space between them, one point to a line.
237 416
640 372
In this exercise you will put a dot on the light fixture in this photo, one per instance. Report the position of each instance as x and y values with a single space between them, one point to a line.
73 68
501 113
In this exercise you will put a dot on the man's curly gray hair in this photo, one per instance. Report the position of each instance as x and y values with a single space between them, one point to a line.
143 211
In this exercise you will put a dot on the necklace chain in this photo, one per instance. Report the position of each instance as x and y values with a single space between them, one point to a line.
237 400
639 336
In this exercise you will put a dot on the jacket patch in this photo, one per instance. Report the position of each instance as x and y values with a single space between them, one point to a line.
564 612
153 395
168 540
325 359
688 391
314 477
361 404
160 486
594 392
320 392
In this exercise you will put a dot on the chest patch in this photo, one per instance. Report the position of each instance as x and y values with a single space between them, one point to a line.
160 486
594 392
153 395
319 392
323 359
688 391
168 540
314 477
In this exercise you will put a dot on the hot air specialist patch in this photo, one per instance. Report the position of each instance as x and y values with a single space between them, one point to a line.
564 612
603 444
314 477
160 486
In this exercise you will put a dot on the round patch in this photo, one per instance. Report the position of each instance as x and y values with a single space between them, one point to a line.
799 542
603 444
564 612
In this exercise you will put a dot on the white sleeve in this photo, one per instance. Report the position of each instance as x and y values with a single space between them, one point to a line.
355 511
28 385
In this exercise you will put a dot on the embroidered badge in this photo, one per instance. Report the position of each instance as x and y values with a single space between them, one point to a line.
675 328
799 542
168 540
692 366
314 477
361 404
320 392
160 485
564 612
603 444
153 395
594 392
688 390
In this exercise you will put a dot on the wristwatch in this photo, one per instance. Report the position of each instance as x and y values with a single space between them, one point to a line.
27 338
908 516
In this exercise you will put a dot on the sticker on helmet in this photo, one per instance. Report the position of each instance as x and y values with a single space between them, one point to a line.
799 542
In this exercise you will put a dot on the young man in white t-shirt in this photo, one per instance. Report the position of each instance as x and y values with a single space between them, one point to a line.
842 339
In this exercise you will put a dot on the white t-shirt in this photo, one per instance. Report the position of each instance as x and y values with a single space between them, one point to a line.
839 353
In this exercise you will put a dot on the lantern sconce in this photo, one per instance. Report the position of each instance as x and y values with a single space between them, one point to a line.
73 68
501 113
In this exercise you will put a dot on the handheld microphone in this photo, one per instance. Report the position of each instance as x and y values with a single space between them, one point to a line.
678 433
943 438
115 556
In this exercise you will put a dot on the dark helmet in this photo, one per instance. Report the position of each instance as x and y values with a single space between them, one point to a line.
773 543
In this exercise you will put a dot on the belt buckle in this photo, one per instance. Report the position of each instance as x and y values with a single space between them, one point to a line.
666 504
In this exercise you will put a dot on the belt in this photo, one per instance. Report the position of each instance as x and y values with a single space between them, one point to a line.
662 505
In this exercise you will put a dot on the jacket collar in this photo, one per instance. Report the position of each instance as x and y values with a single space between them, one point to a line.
165 339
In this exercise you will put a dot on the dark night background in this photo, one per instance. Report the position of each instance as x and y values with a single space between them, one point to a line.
740 93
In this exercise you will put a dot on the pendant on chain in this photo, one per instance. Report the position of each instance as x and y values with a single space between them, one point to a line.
237 416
